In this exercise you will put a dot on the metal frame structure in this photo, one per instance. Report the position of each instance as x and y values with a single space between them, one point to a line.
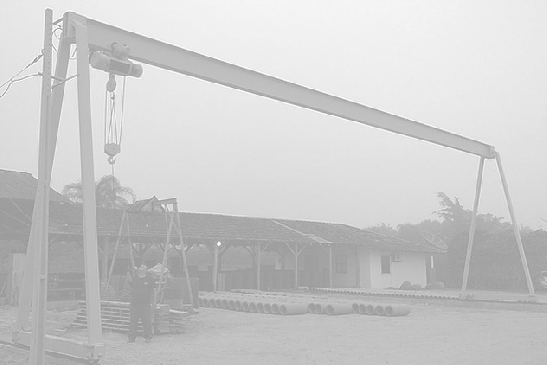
91 35
173 217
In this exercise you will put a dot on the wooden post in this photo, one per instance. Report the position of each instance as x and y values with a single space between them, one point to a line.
296 265
215 265
130 244
40 259
92 287
472 228
515 227
120 231
158 293
18 264
104 266
330 265
258 264
357 267
183 252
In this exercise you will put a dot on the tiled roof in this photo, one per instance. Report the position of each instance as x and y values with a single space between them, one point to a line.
345 234
22 185
66 219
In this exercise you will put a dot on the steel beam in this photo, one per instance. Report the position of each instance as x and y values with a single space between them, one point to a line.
170 57
66 346
91 259
25 298
516 231
40 259
472 229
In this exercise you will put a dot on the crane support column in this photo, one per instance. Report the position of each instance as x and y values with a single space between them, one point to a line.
40 259
472 228
515 227
91 259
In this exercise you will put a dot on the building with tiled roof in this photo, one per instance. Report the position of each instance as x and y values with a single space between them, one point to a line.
22 185
359 257
293 252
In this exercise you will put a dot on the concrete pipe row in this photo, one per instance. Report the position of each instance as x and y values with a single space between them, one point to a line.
402 293
253 304
268 304
389 310
330 308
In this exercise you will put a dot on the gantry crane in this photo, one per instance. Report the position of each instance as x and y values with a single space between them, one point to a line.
92 36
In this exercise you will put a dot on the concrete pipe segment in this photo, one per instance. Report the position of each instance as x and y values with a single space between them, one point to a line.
260 307
320 308
245 306
252 307
238 306
396 310
267 307
370 309
293 308
379 310
274 307
311 308
232 304
333 309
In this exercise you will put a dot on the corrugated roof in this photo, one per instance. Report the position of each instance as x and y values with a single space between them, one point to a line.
22 185
66 219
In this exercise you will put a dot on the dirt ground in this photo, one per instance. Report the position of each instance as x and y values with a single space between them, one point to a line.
431 334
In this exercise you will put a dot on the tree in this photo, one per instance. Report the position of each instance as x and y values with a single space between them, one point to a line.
383 228
109 193
495 262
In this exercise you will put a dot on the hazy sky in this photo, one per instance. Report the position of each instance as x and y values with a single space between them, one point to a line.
477 68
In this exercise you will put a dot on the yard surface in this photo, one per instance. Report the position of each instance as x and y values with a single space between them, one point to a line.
431 334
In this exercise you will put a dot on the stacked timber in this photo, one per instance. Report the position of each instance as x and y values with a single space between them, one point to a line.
115 317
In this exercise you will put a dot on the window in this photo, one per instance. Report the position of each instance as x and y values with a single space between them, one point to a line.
342 264
386 264
396 256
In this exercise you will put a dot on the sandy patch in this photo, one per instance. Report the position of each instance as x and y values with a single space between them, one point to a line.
429 335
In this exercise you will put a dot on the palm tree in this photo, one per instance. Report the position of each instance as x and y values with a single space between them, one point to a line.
109 193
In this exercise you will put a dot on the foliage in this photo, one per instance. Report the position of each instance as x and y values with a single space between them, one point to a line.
109 193
383 228
495 262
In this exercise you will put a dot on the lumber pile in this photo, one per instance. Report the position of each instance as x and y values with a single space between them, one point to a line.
115 317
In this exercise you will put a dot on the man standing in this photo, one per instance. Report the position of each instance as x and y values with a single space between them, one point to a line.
142 287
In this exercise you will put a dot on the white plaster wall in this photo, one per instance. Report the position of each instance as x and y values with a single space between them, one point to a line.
412 267
365 257
377 279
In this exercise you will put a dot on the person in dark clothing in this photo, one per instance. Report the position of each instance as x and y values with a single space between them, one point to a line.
142 288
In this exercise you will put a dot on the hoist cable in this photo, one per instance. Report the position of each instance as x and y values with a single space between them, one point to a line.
123 109
105 115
